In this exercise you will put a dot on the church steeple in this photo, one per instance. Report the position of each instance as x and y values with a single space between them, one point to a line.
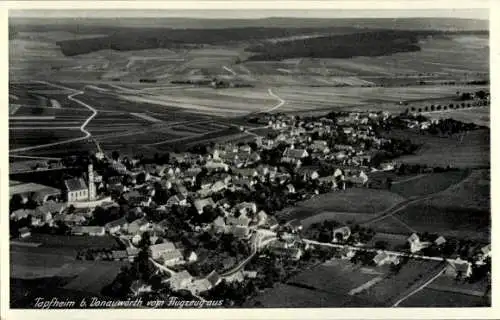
91 184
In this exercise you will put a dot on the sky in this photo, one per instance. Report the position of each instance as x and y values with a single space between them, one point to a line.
254 14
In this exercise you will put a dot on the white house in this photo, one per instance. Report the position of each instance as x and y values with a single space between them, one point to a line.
156 250
88 230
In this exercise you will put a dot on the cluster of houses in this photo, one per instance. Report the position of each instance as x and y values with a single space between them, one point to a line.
195 180
455 265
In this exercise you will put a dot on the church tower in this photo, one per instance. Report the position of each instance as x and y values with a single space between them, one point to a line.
91 184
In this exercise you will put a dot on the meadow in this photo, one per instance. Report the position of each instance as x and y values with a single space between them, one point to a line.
357 204
428 184
443 299
470 150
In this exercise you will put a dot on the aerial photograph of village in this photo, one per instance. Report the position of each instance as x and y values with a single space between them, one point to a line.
284 159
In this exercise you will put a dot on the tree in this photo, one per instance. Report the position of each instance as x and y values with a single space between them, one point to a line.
115 155
439 107
433 107
141 178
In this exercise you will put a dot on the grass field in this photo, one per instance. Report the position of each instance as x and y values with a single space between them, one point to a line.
287 296
390 288
428 184
459 206
431 298
474 192
477 115
451 221
468 151
95 277
300 98
74 242
353 200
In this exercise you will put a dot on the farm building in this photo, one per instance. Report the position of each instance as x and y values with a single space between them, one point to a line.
341 234
88 230
37 192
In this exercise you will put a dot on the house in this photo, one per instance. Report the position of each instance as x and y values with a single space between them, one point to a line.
328 181
132 252
236 277
261 218
138 287
214 278
358 180
292 253
76 190
415 244
199 204
383 257
45 212
320 145
178 200
21 214
295 225
272 223
156 250
218 225
244 183
70 219
486 251
290 188
198 286
387 166
216 166
440 241
24 232
241 220
246 172
88 230
459 268
119 255
308 173
341 234
180 280
191 257
241 232
245 208
251 274
138 226
346 253
172 257
291 155
117 225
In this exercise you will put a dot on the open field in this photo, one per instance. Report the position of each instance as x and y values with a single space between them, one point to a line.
443 299
96 276
471 150
33 136
353 200
428 184
479 116
360 98
78 242
339 283
452 221
38 56
473 192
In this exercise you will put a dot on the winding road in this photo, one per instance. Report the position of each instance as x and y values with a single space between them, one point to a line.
280 103
82 127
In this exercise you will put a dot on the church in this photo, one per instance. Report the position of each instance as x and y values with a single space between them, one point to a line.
77 190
